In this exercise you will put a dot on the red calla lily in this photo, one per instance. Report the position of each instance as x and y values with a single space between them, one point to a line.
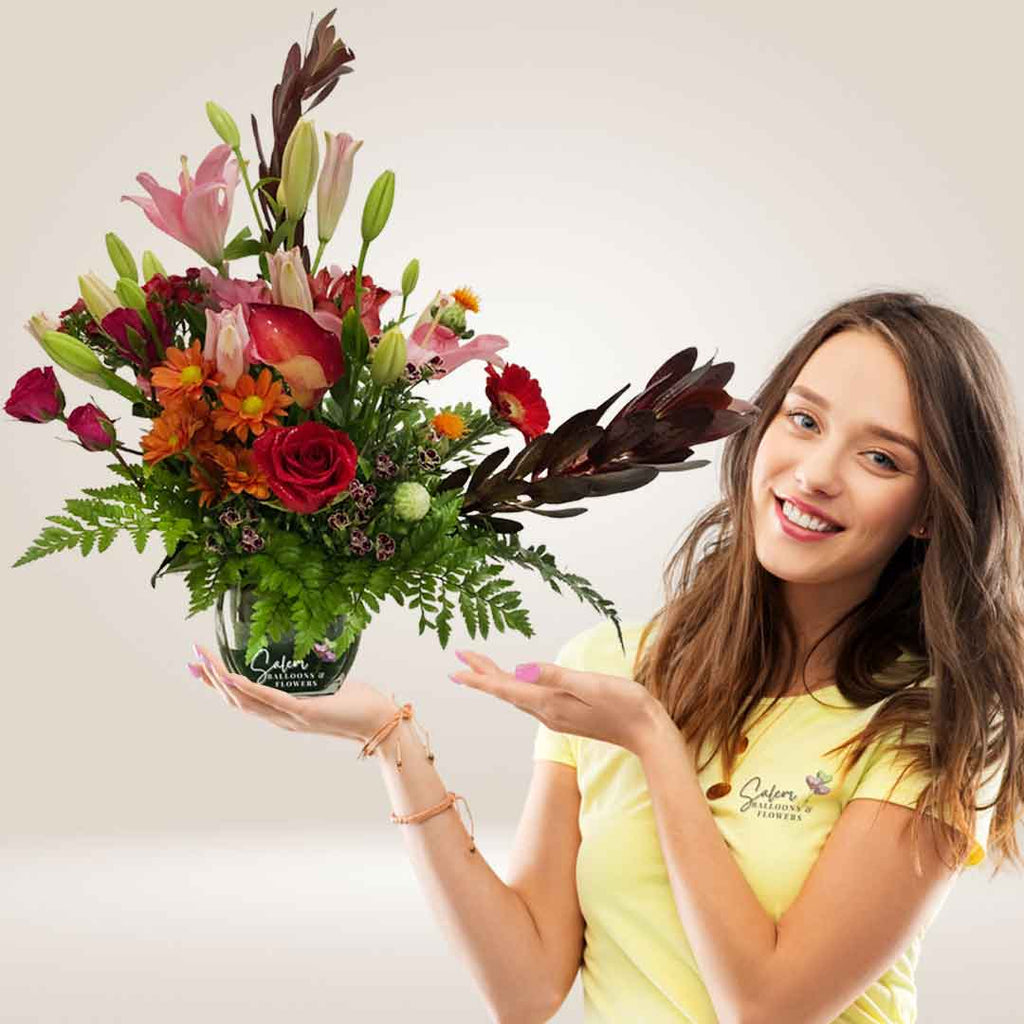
308 357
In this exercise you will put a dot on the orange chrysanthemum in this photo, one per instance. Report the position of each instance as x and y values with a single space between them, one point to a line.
241 473
466 298
208 437
183 373
251 405
173 430
208 477
449 424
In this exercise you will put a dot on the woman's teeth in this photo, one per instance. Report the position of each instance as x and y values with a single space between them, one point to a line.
790 511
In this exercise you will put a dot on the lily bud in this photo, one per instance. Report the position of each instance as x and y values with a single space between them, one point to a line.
410 277
130 294
389 358
299 164
223 124
289 284
411 501
99 299
40 323
74 356
227 343
121 257
335 180
151 266
378 205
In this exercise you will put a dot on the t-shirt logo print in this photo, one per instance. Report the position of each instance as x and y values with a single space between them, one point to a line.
817 784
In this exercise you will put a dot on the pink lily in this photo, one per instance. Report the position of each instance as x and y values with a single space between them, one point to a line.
289 281
335 181
230 292
198 214
431 339
227 343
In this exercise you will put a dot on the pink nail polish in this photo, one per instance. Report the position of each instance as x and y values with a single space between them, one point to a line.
195 670
461 657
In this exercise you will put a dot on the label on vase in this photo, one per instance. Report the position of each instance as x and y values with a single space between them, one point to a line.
274 667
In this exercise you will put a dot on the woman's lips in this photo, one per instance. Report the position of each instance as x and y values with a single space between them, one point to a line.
797 532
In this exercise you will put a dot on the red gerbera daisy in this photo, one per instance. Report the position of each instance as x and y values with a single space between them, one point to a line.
515 396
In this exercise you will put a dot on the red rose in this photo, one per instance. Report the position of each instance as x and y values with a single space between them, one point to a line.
36 397
306 465
93 428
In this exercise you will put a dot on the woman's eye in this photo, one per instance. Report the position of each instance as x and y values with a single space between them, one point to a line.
888 464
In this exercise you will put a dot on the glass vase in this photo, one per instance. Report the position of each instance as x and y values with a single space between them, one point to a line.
274 664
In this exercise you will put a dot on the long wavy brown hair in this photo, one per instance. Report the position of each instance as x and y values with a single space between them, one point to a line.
951 608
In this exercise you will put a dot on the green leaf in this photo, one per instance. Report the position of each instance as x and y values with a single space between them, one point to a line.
239 250
51 540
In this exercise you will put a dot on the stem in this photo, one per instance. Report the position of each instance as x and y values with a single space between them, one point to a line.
319 253
264 236
138 483
359 280
357 373
202 469
153 333
369 408
384 421
292 225
358 306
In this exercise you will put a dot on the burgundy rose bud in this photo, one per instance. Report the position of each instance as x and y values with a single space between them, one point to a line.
93 428
36 397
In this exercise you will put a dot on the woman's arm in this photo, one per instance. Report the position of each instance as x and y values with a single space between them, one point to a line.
731 934
488 922
522 941
829 946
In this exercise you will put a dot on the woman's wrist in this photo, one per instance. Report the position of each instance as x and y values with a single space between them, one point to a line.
387 710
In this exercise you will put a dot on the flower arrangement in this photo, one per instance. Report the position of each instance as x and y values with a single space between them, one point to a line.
286 446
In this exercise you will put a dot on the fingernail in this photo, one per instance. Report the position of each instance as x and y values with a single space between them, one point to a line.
195 670
462 657
529 673
451 676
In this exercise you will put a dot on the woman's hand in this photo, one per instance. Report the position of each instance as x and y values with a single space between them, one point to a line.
601 707
354 712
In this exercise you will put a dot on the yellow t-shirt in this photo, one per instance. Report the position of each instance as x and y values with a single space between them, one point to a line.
785 798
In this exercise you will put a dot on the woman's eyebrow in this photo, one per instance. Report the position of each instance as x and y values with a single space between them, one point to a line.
875 429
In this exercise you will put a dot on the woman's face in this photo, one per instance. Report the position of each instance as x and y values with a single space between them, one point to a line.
825 452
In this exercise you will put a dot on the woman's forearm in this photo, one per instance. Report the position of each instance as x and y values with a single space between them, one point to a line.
487 922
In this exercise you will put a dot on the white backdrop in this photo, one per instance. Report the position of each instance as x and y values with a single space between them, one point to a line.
616 184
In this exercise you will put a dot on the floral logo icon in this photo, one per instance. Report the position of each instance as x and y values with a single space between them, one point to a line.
817 785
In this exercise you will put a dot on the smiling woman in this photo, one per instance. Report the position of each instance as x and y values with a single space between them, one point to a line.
875 508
